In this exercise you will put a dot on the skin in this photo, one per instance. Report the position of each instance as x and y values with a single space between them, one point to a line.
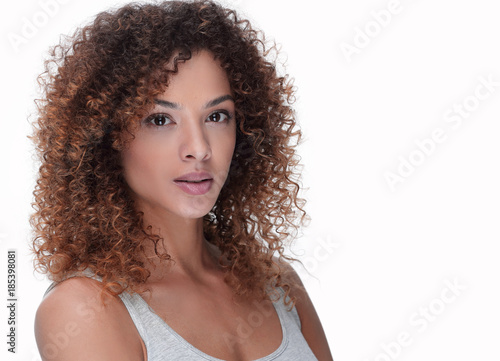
191 129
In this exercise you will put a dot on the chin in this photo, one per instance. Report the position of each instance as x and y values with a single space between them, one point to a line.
195 211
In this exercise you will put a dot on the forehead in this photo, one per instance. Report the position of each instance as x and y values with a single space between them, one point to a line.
199 78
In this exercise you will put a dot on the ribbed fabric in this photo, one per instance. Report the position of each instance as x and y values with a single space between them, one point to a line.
163 343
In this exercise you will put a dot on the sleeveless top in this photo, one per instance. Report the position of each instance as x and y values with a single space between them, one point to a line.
163 343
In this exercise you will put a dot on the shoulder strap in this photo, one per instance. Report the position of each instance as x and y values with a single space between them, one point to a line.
85 273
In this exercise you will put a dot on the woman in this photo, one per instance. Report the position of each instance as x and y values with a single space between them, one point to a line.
167 192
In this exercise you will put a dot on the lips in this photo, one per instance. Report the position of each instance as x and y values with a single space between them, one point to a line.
196 183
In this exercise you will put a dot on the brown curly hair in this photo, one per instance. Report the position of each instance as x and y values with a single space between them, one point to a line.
96 86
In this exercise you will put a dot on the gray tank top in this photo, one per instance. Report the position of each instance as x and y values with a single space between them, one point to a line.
163 343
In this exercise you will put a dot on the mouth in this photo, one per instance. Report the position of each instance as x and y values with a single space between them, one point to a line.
194 177
195 183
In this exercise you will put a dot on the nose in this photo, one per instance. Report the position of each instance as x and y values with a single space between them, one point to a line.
195 145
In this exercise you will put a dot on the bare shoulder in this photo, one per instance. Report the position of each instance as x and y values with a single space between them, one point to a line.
310 323
73 322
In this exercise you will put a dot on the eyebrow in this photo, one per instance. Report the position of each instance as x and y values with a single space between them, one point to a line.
211 103
218 100
167 104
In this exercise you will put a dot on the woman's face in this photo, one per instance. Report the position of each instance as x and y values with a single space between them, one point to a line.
179 159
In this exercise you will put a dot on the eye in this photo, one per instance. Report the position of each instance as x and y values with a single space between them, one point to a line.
158 120
218 116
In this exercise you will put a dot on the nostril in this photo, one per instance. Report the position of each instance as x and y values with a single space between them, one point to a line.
195 146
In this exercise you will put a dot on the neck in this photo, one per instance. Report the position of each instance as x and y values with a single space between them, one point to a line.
184 241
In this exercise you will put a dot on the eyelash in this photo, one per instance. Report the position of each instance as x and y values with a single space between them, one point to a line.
150 119
166 118
223 112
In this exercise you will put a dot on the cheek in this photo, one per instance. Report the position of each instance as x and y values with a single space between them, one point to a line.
227 147
139 160
231 140
222 154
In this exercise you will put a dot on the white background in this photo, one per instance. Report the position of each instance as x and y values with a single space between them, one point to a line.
378 257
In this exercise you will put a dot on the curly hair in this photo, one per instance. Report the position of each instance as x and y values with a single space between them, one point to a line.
98 83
